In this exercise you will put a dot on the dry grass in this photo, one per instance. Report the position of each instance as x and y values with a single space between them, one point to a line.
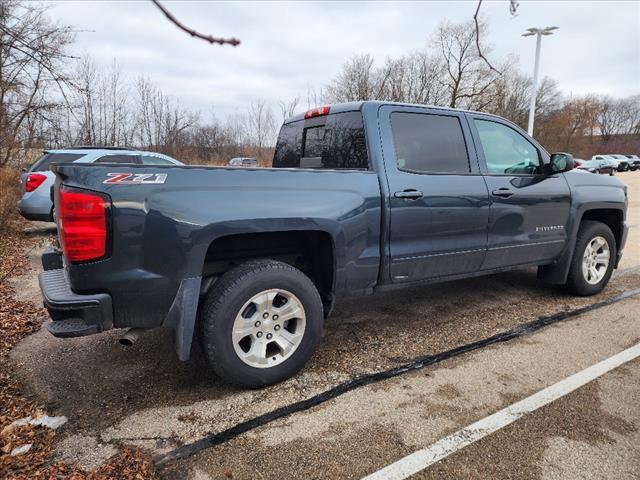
17 320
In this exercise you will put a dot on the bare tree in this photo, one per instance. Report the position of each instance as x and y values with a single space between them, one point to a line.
260 125
357 81
32 51
160 123
316 97
288 109
465 75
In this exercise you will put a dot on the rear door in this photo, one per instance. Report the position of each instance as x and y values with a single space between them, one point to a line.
438 199
529 210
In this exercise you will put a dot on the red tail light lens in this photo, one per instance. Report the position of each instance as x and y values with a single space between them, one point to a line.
317 112
34 180
82 221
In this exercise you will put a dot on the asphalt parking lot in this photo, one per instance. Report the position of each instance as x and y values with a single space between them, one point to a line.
144 396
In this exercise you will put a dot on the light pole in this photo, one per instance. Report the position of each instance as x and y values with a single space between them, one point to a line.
538 32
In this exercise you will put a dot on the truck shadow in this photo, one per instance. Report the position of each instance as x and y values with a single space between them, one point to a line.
96 381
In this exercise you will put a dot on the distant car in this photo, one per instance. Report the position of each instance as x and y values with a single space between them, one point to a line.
623 160
243 162
597 166
634 162
36 182
621 164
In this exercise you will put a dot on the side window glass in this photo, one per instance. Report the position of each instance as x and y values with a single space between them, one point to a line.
506 151
130 159
426 143
153 160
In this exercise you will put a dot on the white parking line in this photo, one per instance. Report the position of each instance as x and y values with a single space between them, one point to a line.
421 459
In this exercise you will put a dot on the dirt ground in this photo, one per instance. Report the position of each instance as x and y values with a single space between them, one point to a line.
143 396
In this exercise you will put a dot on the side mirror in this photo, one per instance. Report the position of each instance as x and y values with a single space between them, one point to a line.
560 162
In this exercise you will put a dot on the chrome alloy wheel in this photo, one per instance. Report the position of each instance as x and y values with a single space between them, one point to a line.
268 328
595 260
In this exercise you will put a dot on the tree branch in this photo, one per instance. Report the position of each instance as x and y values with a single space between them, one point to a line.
207 38
480 54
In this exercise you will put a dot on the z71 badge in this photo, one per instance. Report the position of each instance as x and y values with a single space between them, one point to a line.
135 178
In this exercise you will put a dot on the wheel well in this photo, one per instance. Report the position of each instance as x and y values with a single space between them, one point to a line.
309 251
611 217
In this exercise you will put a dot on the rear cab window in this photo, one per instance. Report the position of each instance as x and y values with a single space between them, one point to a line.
44 163
335 142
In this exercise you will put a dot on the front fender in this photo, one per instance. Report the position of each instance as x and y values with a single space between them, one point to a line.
589 193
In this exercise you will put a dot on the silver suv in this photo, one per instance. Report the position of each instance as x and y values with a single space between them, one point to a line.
36 182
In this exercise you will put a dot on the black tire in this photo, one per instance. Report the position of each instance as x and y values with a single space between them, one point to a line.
225 300
597 171
576 283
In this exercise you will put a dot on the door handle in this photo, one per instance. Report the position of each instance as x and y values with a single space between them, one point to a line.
409 194
503 192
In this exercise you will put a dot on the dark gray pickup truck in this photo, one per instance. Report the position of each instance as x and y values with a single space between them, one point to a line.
362 197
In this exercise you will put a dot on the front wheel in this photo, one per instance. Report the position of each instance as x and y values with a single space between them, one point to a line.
593 259
260 323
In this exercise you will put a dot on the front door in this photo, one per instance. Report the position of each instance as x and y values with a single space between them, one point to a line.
529 210
438 199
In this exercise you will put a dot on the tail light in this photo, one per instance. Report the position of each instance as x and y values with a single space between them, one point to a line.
317 112
82 222
34 180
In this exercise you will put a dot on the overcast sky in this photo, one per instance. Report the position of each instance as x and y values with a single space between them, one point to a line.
290 46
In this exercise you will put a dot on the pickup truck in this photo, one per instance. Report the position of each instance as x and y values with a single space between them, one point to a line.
361 197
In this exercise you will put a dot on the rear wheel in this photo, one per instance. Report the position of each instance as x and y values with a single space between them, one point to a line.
593 259
260 323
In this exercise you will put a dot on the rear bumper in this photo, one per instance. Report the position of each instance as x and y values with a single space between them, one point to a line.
40 214
73 315
36 205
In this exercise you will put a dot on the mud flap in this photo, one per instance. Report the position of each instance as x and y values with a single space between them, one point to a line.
557 273
182 316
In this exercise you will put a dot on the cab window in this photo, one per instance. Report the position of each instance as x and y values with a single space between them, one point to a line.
426 143
335 141
506 151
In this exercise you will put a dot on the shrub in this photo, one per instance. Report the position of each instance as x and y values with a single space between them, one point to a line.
9 195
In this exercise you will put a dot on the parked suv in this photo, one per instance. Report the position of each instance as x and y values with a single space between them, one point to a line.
634 162
620 162
36 182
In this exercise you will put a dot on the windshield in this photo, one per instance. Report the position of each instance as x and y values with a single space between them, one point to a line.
44 162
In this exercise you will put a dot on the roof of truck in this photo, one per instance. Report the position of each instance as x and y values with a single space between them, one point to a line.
354 106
